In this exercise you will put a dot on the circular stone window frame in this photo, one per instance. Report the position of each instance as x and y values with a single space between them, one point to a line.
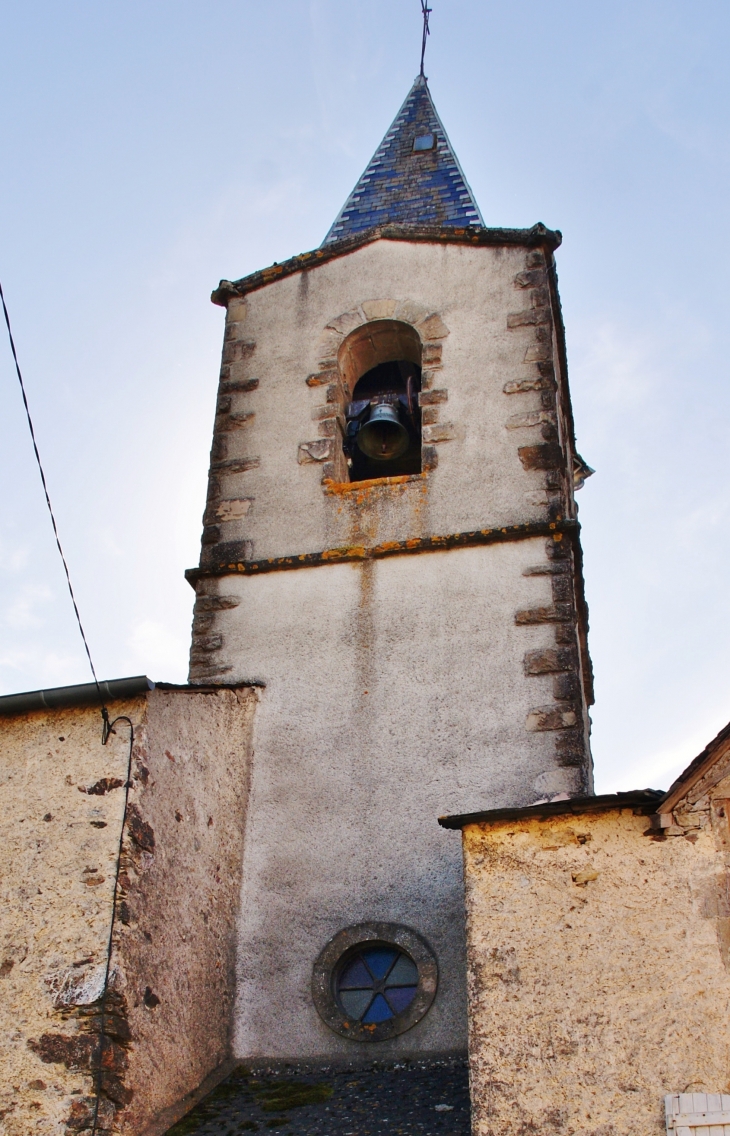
337 953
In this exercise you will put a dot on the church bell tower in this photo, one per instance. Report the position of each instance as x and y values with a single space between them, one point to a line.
390 551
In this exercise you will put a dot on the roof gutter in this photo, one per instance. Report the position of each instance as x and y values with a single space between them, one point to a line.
86 694
643 801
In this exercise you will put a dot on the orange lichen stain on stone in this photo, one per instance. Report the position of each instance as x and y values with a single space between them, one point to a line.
352 552
339 488
557 536
270 273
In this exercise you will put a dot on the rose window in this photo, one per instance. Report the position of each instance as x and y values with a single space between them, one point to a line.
377 983
374 981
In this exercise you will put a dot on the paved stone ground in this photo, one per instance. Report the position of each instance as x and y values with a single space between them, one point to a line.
410 1099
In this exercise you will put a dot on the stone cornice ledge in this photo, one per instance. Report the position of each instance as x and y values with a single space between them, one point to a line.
538 235
354 553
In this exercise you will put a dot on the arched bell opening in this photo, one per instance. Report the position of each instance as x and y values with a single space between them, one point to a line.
381 368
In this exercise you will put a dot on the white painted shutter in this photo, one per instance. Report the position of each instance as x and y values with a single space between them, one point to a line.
698 1114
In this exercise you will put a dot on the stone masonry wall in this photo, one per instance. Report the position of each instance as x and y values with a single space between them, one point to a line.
181 881
171 988
58 848
597 978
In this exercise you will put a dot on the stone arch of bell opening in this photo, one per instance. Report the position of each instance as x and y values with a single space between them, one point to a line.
380 365
377 333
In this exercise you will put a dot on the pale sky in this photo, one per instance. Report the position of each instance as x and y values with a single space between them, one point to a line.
151 148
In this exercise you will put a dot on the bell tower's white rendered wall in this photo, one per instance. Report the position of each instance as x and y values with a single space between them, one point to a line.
408 685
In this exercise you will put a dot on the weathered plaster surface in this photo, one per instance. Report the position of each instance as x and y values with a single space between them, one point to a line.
58 850
596 978
168 1021
483 317
395 692
396 689
176 937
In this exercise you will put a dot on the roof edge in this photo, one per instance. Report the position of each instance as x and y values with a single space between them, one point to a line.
645 800
696 769
538 235
84 694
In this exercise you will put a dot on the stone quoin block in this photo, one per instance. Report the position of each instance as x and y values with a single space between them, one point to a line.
322 378
530 279
537 353
522 386
236 465
216 603
529 418
558 613
430 397
233 508
548 660
227 552
239 386
551 718
443 433
529 317
319 450
547 456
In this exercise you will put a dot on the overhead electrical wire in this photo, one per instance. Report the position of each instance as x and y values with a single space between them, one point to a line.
107 730
50 507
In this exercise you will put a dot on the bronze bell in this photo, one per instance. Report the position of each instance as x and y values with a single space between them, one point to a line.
383 437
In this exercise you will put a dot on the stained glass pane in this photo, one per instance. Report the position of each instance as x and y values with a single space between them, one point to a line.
379 960
401 997
404 973
355 976
379 1011
355 1002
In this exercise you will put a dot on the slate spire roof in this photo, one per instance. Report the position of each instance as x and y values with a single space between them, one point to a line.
413 177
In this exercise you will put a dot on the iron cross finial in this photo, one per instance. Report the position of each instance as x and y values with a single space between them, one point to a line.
426 31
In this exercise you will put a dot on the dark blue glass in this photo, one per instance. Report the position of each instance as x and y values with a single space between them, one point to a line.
379 1011
372 968
379 960
400 997
355 976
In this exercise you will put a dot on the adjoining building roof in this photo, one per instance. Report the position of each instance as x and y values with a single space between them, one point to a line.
700 776
645 800
87 694
84 694
704 772
413 178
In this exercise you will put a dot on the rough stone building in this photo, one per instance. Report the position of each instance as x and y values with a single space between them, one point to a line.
63 797
389 626
598 937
